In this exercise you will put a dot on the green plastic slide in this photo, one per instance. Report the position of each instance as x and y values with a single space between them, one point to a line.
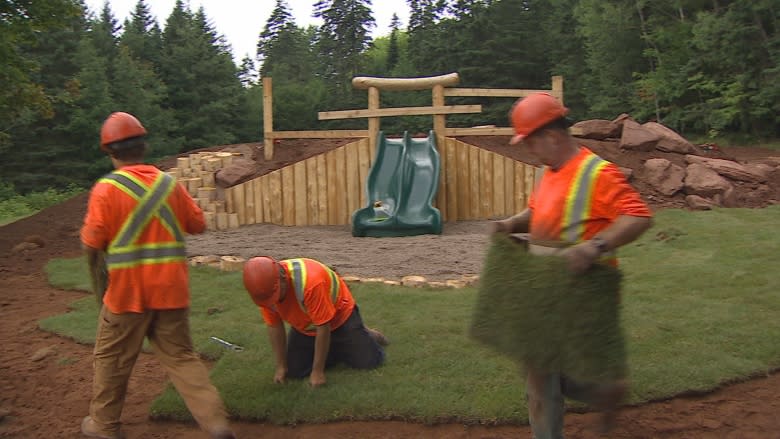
400 189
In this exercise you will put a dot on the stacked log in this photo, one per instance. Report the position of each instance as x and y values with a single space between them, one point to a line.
196 173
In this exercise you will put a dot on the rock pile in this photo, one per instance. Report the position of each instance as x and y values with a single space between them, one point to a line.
674 167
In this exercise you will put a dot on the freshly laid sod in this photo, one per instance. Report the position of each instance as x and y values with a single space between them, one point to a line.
700 304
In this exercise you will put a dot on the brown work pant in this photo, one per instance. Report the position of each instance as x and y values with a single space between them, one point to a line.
118 342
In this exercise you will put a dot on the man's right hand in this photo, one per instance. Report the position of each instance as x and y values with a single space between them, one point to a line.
280 377
501 226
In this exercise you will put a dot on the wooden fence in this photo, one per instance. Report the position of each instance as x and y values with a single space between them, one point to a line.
326 189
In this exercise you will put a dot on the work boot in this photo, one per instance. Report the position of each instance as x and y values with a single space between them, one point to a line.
608 401
378 337
90 429
223 433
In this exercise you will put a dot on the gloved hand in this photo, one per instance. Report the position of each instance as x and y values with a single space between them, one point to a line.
581 256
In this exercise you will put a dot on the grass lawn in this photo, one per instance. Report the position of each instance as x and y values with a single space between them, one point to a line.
700 304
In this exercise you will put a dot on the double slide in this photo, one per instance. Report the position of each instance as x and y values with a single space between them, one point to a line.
401 186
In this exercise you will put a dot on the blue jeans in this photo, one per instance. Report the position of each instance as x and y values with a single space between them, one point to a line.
545 392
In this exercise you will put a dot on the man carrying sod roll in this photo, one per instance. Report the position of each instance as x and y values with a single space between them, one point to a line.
582 210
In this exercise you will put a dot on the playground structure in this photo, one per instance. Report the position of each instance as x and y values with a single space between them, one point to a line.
328 189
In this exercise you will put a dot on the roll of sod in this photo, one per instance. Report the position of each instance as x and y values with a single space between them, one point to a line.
534 310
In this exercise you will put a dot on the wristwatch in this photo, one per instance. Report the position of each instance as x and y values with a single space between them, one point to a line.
600 244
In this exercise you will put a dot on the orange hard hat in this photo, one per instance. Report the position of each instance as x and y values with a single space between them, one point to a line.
533 112
261 279
119 126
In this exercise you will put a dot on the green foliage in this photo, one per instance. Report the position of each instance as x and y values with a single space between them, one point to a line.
700 304
14 206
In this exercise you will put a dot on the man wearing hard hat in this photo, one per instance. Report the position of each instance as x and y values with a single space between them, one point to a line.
582 210
326 327
138 216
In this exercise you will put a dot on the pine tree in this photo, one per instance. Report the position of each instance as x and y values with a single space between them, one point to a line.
392 50
343 38
142 35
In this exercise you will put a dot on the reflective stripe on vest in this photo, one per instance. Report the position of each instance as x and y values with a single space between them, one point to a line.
298 274
578 200
152 202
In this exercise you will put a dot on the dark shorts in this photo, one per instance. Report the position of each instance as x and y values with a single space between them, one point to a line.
349 344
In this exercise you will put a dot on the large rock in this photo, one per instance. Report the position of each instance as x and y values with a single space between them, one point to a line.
238 171
598 129
703 181
670 140
754 173
664 176
636 137
699 203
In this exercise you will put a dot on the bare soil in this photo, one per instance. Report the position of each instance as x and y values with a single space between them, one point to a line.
47 397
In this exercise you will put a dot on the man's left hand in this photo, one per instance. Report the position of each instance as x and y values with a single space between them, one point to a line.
317 379
581 256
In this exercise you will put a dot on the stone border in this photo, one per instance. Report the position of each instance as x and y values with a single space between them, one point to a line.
235 263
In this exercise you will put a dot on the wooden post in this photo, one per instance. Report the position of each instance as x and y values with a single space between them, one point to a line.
268 119
439 120
557 87
373 122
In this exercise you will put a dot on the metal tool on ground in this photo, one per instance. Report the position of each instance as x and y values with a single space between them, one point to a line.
227 344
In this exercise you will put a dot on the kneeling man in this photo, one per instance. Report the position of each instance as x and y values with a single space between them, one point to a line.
326 327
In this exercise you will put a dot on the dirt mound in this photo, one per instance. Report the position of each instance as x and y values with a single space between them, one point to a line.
753 194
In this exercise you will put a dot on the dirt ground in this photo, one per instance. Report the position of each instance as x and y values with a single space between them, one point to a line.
47 397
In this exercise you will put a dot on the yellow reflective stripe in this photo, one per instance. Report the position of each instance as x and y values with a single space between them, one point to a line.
334 285
588 186
145 254
578 200
134 225
297 270
173 226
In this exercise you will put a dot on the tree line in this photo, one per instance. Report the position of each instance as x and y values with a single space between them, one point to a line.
702 67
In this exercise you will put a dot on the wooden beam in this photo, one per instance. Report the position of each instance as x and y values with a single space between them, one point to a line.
439 120
373 122
268 119
423 83
454 132
329 134
457 132
399 111
490 92
557 87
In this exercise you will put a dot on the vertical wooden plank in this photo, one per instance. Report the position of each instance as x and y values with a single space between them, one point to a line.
530 177
363 166
342 208
474 182
464 191
452 179
352 180
259 211
312 194
301 204
441 194
249 200
268 119
288 196
509 187
373 122
322 190
486 183
239 202
439 120
333 193
230 205
275 197
499 209
557 87
521 198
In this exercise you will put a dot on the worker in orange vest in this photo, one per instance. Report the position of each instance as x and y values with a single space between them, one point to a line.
138 216
326 327
582 209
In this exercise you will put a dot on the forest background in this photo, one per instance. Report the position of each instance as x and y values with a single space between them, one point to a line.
709 69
